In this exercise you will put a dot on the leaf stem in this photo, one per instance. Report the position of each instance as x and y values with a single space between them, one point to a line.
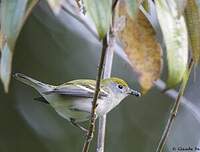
175 108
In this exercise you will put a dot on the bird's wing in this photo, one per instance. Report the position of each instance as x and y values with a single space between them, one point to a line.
78 88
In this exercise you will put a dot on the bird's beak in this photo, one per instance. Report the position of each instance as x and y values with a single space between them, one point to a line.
134 93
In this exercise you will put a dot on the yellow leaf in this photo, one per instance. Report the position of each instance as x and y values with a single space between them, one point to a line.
141 47
192 16
100 12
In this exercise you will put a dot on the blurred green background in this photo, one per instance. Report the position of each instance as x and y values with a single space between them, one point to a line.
58 49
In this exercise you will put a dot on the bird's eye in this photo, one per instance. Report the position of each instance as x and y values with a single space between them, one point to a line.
120 86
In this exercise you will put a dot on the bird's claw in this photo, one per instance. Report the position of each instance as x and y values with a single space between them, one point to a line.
89 139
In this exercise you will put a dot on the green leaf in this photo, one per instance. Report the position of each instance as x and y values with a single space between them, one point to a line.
101 13
192 15
174 31
13 15
146 5
132 6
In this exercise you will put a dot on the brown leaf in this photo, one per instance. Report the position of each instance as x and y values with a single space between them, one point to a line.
141 47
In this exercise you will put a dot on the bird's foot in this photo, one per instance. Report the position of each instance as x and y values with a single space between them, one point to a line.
89 137
73 122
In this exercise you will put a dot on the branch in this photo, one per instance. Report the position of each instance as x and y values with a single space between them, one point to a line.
94 103
174 109
107 74
102 119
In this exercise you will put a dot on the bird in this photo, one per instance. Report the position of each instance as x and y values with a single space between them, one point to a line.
73 99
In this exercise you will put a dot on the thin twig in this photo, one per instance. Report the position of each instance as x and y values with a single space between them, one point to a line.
94 103
102 119
107 73
174 109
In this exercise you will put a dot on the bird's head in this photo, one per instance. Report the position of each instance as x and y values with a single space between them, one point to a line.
119 87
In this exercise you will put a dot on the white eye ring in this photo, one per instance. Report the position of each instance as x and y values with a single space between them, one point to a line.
120 86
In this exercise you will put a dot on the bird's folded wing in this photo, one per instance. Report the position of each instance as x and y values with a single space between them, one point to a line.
76 91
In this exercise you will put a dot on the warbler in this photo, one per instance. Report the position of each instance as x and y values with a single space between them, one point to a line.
73 100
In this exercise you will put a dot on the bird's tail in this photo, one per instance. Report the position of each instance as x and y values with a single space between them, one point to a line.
39 86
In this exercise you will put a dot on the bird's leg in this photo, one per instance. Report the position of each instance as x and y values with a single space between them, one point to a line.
77 125
80 127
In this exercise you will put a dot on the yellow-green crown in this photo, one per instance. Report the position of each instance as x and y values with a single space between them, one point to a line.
118 81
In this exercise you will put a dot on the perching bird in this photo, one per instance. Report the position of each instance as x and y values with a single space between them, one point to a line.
73 100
